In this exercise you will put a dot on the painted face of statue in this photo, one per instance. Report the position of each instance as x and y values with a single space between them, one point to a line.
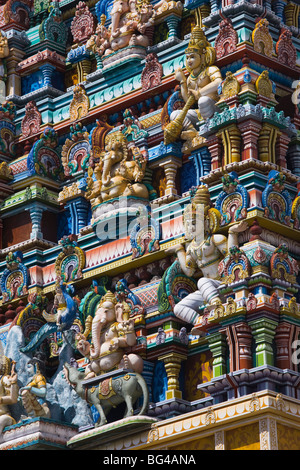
194 61
30 369
108 310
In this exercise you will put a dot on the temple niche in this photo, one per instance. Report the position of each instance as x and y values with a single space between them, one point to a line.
149 226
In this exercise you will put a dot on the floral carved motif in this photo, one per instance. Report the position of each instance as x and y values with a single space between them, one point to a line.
227 39
262 39
83 24
152 72
32 120
286 51
80 103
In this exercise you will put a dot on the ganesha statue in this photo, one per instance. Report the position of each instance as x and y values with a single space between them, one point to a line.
116 174
129 22
112 332
201 253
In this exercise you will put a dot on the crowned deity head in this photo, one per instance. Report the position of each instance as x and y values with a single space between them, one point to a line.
201 220
5 365
199 53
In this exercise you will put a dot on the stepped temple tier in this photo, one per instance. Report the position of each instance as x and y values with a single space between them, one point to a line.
150 225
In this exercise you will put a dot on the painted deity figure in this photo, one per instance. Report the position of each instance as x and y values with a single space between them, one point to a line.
8 391
4 52
129 21
199 90
33 395
116 174
202 253
112 332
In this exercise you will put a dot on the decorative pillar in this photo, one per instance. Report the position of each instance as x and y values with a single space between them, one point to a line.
83 69
267 143
268 4
283 345
249 132
214 5
279 8
268 434
219 440
47 71
282 146
292 12
36 213
293 155
202 161
172 22
244 342
170 166
263 331
79 209
231 138
172 363
217 345
148 376
214 144
13 78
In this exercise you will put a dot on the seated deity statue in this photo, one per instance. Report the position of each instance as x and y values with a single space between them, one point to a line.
202 253
119 172
8 391
33 395
199 90
112 332
129 21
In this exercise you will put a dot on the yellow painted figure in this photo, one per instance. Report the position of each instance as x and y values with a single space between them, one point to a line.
199 90
34 394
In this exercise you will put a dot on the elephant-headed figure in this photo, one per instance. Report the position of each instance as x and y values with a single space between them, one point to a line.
112 332
119 172
125 387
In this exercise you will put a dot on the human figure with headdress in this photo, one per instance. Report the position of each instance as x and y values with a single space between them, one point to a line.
202 252
8 391
199 90
33 395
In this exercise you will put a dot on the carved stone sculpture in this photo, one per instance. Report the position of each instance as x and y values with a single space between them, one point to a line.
203 251
129 21
152 72
8 391
33 395
112 332
32 120
116 175
110 392
199 90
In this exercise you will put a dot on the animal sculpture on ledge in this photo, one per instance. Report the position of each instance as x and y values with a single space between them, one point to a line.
126 387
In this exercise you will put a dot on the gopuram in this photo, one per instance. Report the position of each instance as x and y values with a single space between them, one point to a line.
150 225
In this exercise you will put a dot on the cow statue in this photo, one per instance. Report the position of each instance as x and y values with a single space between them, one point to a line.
126 387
